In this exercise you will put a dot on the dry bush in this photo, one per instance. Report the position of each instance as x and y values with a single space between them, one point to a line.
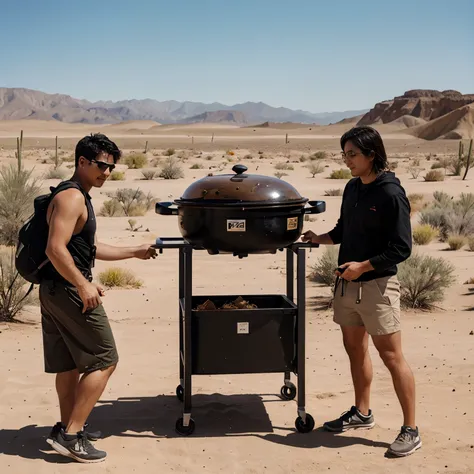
456 241
319 155
393 165
436 165
323 270
209 158
334 192
132 223
470 243
341 174
470 281
423 280
416 202
280 174
414 171
416 162
55 173
284 166
171 169
136 160
13 288
127 202
169 152
196 166
423 234
303 158
434 175
17 192
117 277
315 168
415 197
149 174
117 176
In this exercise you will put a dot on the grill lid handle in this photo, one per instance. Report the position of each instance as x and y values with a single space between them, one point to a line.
239 169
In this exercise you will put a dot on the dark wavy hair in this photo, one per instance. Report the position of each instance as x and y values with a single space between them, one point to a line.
93 145
370 143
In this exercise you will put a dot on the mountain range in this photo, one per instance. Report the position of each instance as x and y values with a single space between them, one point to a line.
19 103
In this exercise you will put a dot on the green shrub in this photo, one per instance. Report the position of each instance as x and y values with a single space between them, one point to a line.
456 241
341 174
424 280
196 166
319 155
117 277
136 160
424 234
434 175
117 176
323 270
169 152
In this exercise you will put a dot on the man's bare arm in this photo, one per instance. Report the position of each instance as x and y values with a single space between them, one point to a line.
67 207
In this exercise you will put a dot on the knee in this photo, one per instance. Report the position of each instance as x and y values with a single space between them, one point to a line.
354 350
391 359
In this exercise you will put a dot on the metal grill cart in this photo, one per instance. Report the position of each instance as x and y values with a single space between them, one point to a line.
267 339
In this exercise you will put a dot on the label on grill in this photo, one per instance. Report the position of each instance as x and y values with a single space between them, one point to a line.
292 223
235 225
242 328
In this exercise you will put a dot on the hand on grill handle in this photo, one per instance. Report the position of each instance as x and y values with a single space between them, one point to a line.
166 209
316 207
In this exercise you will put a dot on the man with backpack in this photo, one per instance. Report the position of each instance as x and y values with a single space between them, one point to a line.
79 346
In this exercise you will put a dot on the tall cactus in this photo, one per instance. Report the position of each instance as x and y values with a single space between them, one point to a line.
468 160
19 149
56 158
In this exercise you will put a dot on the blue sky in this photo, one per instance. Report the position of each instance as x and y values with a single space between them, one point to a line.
309 54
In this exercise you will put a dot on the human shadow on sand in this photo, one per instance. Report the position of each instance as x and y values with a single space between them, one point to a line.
215 415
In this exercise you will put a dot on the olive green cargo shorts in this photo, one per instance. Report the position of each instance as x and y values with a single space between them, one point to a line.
374 304
73 339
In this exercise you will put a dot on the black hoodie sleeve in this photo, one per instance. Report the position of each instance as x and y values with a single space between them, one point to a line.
336 233
399 234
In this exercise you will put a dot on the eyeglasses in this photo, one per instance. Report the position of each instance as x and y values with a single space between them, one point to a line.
349 155
103 166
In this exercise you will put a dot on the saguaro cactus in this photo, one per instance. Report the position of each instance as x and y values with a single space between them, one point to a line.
468 160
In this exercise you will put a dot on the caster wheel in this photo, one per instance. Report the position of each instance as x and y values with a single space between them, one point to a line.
288 392
184 430
304 427
180 392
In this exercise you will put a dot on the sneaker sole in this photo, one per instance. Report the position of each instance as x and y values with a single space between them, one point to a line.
366 426
65 452
402 455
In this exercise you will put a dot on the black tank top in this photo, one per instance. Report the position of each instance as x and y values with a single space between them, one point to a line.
81 246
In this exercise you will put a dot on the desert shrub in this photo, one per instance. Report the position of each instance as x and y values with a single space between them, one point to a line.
127 202
303 158
461 220
393 165
171 169
136 160
117 277
17 192
169 152
442 198
323 270
149 174
117 176
132 223
424 234
315 168
416 202
319 155
341 174
436 165
209 158
196 166
456 241
415 197
416 162
55 173
470 243
424 280
284 166
415 172
13 288
434 175
334 192
280 174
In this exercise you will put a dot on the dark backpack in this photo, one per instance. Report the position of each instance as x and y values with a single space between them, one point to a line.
30 255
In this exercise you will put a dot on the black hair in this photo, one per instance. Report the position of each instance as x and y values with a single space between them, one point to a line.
370 143
93 145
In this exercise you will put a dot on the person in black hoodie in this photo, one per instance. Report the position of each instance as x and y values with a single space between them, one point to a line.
374 233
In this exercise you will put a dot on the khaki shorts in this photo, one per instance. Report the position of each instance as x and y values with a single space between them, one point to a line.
374 304
73 339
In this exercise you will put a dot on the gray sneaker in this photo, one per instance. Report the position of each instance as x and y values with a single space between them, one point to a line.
77 447
407 442
352 419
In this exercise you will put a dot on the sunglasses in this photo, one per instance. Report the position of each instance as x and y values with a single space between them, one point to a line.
103 166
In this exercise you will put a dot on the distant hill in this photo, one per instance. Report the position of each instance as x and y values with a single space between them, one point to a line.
219 116
18 103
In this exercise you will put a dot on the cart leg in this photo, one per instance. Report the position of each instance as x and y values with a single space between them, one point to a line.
181 316
290 286
304 423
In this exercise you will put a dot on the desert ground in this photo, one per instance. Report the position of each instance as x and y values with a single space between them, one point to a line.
242 424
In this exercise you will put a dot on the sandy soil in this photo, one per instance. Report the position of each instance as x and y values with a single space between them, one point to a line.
242 426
